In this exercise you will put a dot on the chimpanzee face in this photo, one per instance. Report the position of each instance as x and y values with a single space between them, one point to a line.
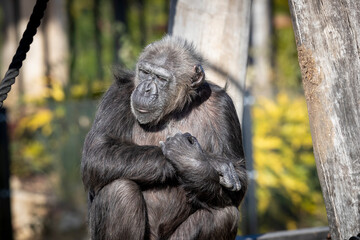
152 94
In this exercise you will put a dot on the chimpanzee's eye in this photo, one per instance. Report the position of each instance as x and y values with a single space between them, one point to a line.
162 78
144 71
191 139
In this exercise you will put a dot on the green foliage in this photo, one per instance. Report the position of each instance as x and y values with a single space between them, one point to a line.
288 191
49 138
31 156
286 67
146 21
280 7
93 39
88 58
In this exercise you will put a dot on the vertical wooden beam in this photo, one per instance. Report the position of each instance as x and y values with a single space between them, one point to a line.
328 41
261 38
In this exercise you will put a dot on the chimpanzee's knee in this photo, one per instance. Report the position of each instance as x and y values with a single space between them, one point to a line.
118 211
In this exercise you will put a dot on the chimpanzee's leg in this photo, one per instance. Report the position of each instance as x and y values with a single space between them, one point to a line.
118 211
214 224
167 208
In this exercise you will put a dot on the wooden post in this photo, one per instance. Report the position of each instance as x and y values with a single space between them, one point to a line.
328 41
261 49
5 213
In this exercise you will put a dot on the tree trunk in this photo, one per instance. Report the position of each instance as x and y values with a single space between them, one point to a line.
220 31
328 37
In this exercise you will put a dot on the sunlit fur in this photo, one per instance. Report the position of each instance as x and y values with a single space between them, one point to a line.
178 57
137 193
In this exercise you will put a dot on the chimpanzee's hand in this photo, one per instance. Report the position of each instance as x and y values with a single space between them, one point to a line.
228 176
183 151
186 154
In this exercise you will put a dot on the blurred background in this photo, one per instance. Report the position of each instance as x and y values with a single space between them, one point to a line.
69 66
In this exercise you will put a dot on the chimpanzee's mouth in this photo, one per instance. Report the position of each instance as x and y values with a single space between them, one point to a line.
140 110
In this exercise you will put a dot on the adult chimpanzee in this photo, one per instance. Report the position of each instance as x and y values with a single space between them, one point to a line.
147 180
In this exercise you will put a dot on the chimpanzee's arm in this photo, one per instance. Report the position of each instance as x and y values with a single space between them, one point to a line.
211 178
108 152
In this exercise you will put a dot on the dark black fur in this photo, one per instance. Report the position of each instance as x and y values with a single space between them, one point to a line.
186 186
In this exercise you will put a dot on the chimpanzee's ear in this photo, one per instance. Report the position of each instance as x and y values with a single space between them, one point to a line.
199 76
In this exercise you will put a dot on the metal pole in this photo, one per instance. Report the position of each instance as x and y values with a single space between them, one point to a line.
249 223
5 211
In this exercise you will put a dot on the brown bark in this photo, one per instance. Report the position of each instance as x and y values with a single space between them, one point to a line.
328 42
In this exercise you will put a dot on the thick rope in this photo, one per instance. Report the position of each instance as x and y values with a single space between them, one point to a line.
24 46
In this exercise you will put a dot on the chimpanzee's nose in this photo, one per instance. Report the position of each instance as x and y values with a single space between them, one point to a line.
148 88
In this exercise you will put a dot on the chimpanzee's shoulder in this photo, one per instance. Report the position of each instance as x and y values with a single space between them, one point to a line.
124 77
219 93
